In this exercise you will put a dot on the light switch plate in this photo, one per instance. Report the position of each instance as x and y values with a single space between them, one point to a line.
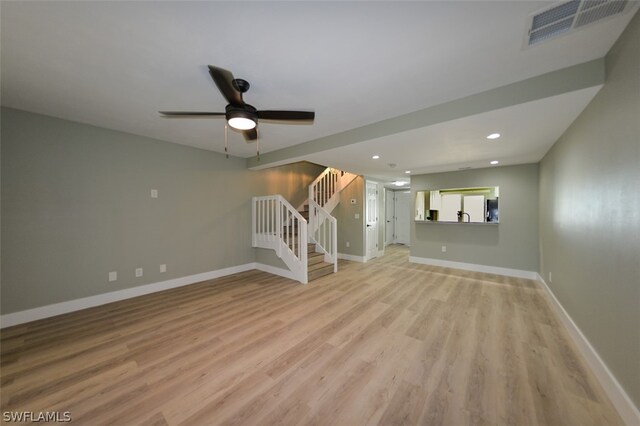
444 249
138 272
154 193
163 268
357 216
113 276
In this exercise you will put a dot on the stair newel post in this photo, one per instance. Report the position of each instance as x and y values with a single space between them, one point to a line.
279 226
334 245
311 212
302 247
333 182
287 224
254 236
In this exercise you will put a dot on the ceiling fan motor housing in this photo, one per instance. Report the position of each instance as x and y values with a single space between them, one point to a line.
245 111
240 85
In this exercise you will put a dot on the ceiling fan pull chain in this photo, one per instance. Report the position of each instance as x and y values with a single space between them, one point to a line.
257 145
226 151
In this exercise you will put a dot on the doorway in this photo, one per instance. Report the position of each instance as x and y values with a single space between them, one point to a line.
402 208
371 222
389 216
397 215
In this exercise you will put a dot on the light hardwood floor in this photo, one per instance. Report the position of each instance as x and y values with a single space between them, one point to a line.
387 342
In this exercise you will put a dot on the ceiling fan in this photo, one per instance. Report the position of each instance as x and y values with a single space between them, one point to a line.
240 115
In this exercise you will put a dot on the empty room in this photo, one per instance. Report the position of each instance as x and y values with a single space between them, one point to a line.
320 212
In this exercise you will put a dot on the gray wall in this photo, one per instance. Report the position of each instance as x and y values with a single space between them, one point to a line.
76 205
511 244
291 181
349 228
590 216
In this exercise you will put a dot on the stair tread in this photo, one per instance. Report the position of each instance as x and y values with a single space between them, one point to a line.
313 258
320 265
325 269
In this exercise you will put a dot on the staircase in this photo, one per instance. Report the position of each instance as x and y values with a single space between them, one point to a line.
316 265
278 226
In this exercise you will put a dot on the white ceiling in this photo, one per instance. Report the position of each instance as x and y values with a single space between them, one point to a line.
115 64
527 132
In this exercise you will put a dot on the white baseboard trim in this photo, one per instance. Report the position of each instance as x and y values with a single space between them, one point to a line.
626 408
518 273
275 271
34 314
351 257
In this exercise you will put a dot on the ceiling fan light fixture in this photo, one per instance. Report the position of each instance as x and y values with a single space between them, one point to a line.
242 118
242 123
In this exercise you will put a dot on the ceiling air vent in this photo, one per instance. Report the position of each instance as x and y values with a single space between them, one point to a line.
571 15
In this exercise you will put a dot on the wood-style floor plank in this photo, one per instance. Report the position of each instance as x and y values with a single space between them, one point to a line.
387 342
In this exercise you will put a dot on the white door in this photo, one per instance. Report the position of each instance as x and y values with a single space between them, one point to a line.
372 220
390 202
403 208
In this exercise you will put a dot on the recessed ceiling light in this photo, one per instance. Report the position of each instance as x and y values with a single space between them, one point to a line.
493 136
407 171
399 183
375 157
495 162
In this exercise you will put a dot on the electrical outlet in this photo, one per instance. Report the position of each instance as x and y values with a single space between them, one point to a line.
550 280
348 244
163 268
154 193
444 249
138 272
113 276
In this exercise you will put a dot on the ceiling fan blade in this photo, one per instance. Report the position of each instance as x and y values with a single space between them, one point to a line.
190 114
286 115
250 135
224 80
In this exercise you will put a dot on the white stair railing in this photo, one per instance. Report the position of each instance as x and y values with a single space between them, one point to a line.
323 231
278 226
324 196
325 189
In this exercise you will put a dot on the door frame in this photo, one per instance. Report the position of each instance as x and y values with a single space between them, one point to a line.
378 252
389 225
